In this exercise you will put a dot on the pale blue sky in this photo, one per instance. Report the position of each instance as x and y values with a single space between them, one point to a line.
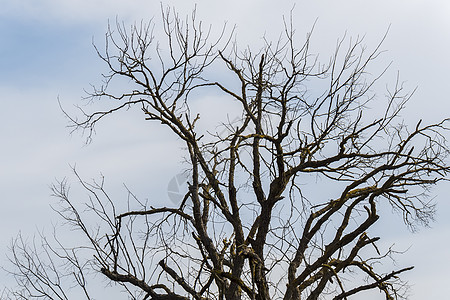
46 53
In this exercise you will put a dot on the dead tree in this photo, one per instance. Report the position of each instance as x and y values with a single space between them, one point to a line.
280 200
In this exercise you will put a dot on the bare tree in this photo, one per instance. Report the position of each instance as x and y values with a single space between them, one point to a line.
280 201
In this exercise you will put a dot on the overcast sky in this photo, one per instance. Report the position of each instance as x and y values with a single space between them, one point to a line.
46 53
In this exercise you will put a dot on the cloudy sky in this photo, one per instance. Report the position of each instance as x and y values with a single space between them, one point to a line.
46 54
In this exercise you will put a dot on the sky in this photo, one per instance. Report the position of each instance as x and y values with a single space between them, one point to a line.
46 54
